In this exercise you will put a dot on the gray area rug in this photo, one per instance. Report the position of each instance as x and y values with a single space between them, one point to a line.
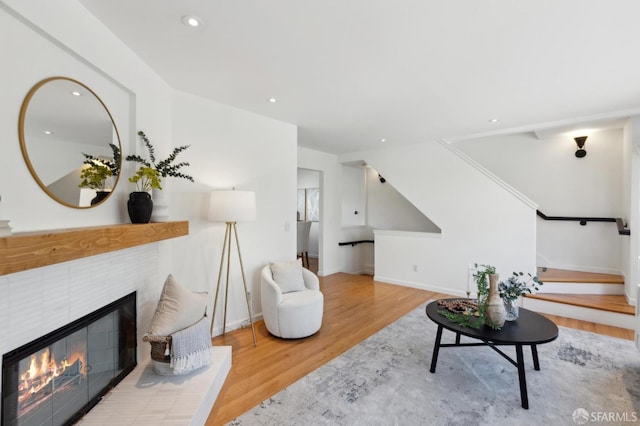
385 380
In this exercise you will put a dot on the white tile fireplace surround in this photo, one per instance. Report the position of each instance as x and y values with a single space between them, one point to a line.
40 300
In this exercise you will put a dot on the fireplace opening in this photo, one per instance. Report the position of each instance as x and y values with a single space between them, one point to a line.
59 377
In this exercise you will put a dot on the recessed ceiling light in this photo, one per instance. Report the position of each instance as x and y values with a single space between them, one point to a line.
493 120
383 140
48 132
76 93
191 21
273 100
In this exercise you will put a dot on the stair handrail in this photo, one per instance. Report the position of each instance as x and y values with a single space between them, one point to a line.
622 227
355 243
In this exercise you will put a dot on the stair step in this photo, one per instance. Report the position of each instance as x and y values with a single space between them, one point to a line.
593 315
603 302
566 276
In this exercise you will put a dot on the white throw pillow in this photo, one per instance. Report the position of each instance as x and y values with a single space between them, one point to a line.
288 275
177 308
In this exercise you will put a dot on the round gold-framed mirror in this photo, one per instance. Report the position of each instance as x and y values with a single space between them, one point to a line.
70 142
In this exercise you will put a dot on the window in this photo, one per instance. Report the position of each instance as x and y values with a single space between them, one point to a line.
309 204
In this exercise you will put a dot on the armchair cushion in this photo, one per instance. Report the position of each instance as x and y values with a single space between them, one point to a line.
288 275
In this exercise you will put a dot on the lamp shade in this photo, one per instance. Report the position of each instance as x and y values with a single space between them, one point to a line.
232 206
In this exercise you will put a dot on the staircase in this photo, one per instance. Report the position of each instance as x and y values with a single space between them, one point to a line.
588 296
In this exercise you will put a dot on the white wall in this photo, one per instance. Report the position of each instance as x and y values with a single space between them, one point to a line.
40 300
221 137
359 258
34 58
311 179
482 220
330 212
379 206
388 209
631 207
62 38
353 197
547 171
308 178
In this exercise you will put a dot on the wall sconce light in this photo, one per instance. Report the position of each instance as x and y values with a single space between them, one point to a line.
580 141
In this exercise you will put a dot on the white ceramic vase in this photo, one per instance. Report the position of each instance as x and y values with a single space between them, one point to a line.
160 206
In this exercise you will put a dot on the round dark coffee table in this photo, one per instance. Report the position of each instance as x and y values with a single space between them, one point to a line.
530 329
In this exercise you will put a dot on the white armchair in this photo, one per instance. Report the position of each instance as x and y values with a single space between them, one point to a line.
293 314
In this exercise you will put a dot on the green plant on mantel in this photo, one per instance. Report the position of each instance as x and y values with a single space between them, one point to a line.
151 172
146 179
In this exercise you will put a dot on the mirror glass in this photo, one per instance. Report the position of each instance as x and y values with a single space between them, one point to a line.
70 142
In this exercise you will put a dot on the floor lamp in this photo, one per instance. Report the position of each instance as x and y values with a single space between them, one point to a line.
231 207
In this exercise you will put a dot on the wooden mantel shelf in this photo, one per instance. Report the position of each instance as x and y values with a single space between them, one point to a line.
28 250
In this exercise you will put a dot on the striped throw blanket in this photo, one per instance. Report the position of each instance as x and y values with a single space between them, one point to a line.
191 348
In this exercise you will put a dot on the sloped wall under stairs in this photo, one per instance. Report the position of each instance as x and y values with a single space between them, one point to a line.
482 219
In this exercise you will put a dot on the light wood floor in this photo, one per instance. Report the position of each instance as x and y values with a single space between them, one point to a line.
356 307
563 275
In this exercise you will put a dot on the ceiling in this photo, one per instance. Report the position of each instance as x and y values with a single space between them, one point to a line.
352 72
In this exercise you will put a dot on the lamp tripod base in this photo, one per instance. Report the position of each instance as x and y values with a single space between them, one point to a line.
226 250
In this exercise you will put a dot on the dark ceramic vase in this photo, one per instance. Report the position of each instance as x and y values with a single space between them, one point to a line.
140 207
100 195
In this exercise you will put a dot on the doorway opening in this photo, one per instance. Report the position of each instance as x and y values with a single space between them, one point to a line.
309 217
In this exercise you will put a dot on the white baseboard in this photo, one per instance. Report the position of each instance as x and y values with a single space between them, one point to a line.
632 299
235 325
369 269
421 286
324 273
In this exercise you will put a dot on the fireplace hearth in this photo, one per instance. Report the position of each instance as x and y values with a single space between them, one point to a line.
57 378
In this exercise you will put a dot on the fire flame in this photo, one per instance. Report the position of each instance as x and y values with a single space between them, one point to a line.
41 373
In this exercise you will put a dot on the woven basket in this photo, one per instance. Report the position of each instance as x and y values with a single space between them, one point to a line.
160 357
158 347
